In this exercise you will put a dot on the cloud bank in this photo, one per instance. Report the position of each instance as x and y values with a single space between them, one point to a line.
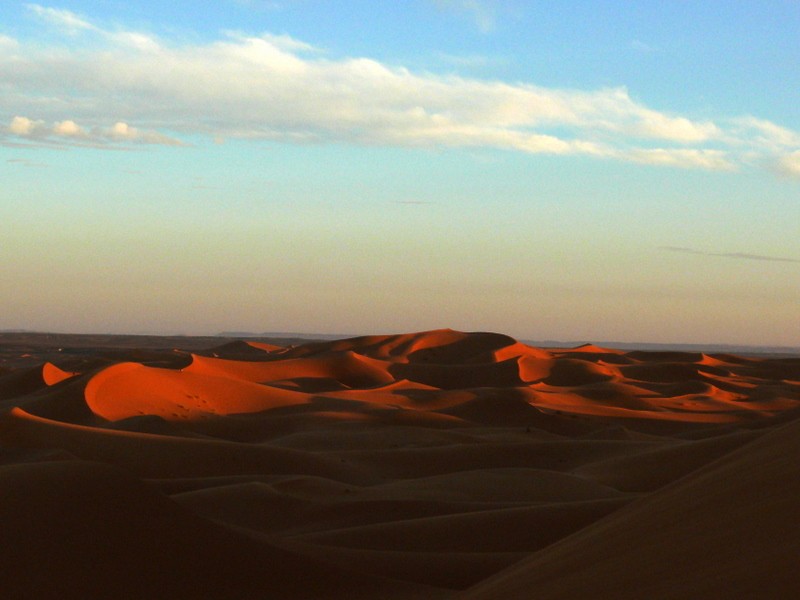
107 87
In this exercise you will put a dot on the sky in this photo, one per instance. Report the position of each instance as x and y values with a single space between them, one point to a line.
577 171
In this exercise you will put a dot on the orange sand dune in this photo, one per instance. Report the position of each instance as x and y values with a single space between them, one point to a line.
131 389
430 465
348 368
52 375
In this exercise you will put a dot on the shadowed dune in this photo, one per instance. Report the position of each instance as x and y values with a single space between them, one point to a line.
436 465
725 531
109 535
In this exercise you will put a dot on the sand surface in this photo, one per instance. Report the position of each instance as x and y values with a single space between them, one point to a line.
433 465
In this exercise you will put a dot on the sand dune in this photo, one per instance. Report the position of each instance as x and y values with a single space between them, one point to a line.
725 531
437 465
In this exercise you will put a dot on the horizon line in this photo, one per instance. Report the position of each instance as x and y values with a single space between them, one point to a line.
320 336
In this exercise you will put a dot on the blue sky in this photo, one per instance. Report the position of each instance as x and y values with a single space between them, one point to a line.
574 171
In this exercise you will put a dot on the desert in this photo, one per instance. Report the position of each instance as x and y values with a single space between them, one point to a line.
430 300
431 465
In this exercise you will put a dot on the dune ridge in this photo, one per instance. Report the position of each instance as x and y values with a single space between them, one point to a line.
437 464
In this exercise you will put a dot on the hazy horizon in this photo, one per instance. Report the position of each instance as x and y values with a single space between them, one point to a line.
603 172
713 347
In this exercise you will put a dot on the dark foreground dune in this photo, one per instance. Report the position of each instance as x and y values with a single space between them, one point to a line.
435 465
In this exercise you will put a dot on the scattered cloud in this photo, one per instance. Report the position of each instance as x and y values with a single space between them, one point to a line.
23 126
122 88
67 128
68 132
122 131
736 255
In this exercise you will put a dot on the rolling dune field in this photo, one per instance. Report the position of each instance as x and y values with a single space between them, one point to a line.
432 465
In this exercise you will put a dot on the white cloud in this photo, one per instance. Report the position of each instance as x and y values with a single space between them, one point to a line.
767 133
69 132
680 129
615 110
122 131
137 41
20 126
63 19
23 126
713 160
288 43
67 128
126 87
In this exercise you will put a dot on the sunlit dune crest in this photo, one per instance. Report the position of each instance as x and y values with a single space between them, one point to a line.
430 465
52 375
363 370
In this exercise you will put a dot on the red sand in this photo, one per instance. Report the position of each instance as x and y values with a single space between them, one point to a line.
431 465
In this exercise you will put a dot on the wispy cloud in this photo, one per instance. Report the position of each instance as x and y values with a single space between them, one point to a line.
713 160
8 43
63 19
472 61
126 87
26 162
643 47
765 133
482 12
736 255
260 4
